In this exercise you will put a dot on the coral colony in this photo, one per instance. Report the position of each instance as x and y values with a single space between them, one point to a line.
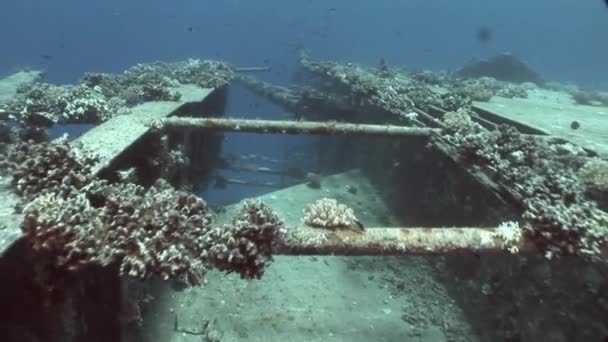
81 220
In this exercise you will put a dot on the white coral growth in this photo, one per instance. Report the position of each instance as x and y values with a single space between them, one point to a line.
328 213
510 233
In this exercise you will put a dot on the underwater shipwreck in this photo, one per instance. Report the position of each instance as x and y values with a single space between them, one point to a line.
489 181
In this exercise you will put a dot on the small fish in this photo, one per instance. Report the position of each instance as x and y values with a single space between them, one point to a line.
46 57
221 182
575 124
484 34
190 29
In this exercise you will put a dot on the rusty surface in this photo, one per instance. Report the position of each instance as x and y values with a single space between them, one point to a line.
395 241
253 69
112 138
294 127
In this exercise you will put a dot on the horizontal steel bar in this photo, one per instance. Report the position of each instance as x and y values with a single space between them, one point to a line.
253 69
396 241
294 127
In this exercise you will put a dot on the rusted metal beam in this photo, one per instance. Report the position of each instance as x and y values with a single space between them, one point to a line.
429 119
253 183
253 69
398 241
293 127
254 168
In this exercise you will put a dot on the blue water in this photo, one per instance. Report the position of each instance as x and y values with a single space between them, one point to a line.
563 39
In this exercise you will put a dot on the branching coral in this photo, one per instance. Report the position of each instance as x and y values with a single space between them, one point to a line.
98 97
78 220
159 231
560 218
595 174
510 233
207 74
246 244
399 92
45 104
56 167
328 213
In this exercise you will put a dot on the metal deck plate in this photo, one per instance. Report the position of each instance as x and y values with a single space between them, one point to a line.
114 136
553 112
